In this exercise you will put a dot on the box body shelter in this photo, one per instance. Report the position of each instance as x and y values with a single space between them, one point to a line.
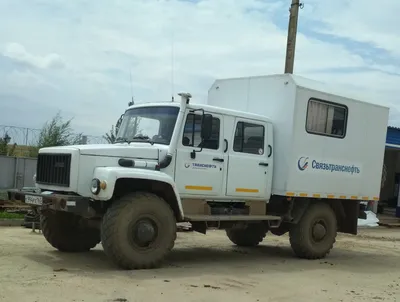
326 144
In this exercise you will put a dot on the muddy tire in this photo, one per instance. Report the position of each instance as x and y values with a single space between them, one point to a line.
138 231
65 232
315 234
252 235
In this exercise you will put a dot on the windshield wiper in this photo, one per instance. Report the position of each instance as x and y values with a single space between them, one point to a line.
136 138
141 137
121 140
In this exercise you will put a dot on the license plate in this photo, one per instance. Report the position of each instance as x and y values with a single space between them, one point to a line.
35 200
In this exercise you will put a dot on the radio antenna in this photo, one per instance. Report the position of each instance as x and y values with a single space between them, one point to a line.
172 66
130 78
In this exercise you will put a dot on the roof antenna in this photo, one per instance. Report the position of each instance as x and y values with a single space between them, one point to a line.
131 102
172 66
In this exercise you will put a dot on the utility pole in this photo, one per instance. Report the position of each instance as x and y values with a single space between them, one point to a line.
292 33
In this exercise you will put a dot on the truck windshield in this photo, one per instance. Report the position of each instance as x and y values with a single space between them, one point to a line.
148 124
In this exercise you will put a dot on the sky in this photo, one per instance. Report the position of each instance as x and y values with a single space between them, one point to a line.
77 57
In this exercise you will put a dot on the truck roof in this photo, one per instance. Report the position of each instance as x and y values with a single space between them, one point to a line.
209 108
302 82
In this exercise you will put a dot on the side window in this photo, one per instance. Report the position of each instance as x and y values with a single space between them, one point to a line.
249 138
192 133
326 119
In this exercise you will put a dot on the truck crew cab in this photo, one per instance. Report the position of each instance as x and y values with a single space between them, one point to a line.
269 154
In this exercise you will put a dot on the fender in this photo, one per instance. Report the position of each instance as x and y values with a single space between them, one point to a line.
111 174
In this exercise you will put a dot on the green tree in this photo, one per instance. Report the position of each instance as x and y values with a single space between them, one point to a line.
58 132
3 146
112 135
5 149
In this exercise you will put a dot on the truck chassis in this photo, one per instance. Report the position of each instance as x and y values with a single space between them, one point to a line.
138 229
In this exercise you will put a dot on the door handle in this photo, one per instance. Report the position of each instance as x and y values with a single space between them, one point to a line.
226 145
221 160
263 164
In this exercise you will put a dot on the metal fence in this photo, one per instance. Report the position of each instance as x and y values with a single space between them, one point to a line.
16 172
30 136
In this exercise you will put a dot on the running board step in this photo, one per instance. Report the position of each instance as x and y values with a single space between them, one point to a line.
231 217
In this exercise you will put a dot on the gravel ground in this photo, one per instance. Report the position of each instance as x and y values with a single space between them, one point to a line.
204 268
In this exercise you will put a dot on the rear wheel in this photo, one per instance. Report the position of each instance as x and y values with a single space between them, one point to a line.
250 235
313 237
67 232
138 231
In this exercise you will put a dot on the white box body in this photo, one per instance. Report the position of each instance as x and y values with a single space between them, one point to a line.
348 167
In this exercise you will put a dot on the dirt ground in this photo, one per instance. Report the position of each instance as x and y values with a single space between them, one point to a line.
204 268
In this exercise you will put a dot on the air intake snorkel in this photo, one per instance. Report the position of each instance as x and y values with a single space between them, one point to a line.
185 98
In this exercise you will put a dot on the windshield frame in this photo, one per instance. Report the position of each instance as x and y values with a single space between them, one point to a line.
168 116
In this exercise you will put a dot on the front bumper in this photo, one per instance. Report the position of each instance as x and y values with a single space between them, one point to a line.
50 201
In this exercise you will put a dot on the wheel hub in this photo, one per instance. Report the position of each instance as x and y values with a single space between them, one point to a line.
319 232
144 232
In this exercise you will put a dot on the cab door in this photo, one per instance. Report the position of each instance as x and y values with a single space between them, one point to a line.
200 165
249 167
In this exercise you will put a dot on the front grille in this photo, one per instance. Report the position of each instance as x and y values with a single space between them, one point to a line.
53 169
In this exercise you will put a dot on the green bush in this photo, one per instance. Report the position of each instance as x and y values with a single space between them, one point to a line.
6 215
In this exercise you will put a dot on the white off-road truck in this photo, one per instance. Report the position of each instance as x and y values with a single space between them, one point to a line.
271 154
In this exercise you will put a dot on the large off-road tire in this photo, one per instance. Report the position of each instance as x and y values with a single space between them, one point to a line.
65 232
138 231
315 234
249 236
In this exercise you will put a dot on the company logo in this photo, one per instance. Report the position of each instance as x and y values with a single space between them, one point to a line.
204 166
199 166
302 163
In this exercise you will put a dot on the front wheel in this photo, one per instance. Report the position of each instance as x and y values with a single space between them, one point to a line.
313 237
67 232
138 231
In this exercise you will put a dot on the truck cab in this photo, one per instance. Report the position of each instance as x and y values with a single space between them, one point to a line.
191 147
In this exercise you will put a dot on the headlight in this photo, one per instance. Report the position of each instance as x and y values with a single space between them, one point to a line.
95 186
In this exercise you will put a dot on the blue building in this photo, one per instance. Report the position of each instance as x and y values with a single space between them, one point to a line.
391 175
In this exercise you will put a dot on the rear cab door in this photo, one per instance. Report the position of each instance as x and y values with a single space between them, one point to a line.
250 160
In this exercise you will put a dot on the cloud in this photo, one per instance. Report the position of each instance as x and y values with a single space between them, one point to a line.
360 20
77 55
27 79
18 53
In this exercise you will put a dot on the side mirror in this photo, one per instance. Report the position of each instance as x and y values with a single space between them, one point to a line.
206 126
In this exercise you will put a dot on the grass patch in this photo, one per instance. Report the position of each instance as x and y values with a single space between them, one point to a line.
6 215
